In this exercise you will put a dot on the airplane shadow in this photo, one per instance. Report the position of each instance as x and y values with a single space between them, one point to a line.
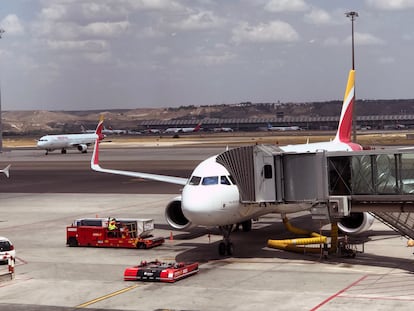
248 245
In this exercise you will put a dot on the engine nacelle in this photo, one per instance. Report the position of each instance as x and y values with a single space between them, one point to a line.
174 215
356 223
82 148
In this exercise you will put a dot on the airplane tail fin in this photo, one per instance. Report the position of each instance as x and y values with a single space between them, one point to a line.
99 129
6 171
198 127
343 133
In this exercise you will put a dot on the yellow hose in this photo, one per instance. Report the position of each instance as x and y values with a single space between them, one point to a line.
291 244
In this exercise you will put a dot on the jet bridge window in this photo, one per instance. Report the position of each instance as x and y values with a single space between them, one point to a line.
210 180
195 181
267 171
339 175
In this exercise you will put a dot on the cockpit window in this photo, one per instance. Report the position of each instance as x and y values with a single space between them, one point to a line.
224 180
232 179
195 180
210 180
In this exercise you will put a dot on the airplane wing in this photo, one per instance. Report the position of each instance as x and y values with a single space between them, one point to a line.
96 167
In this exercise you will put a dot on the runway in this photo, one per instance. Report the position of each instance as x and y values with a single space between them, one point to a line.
46 193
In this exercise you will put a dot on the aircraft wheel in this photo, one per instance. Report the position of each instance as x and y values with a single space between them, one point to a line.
230 249
222 249
63 151
247 225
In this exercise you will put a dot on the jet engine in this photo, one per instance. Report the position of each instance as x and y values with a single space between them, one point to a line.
174 215
356 223
82 148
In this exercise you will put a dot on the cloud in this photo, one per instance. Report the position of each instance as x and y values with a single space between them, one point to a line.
107 29
84 45
391 5
275 31
386 60
318 17
53 12
200 20
365 39
12 25
286 5
360 39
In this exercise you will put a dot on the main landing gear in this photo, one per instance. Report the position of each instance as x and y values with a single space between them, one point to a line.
226 247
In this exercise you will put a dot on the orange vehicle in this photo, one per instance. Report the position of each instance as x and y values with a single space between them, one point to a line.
111 232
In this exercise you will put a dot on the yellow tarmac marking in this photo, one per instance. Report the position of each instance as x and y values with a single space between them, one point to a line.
106 297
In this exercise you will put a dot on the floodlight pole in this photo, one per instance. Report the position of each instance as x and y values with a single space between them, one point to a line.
1 125
353 15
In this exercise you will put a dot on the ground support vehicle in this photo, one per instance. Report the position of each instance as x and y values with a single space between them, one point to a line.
160 271
128 233
6 250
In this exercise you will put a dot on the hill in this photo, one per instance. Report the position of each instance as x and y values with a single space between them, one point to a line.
42 122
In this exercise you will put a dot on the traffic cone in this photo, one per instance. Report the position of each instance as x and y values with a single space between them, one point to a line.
171 236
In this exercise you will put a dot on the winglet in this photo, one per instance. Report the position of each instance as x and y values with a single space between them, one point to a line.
99 137
6 171
345 122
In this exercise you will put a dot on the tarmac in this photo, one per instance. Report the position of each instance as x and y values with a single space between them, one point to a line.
52 276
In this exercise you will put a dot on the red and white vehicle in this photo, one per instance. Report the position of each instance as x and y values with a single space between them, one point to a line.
6 250
129 233
160 271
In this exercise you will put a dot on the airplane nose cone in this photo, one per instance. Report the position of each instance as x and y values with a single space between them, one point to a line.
209 205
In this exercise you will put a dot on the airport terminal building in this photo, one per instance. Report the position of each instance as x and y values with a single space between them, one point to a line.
381 122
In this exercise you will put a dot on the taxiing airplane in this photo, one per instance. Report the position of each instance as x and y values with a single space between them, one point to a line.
66 141
211 198
223 129
6 171
282 128
176 130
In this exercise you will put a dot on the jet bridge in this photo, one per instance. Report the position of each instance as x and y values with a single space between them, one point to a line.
332 183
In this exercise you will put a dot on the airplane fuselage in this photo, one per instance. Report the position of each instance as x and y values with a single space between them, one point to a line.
210 198
53 142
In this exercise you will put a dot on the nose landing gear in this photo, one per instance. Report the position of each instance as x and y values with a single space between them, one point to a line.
226 246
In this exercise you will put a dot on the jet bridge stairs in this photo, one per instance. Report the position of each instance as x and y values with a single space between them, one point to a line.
331 184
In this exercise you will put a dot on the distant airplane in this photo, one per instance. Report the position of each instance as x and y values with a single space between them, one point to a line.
111 131
211 198
282 128
153 131
6 171
66 141
223 129
106 131
183 129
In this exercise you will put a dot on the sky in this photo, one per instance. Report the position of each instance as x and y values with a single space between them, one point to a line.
126 54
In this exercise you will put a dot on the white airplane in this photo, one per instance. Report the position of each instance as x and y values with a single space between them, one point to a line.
223 129
65 141
282 128
211 198
153 131
105 131
183 129
6 171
